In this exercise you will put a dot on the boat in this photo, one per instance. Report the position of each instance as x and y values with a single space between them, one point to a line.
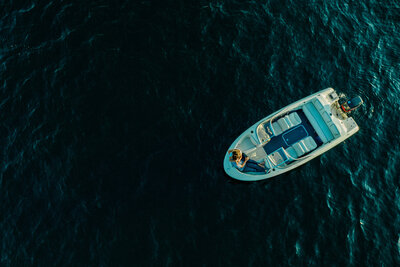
295 134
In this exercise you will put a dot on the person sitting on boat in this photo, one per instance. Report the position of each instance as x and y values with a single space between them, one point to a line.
244 163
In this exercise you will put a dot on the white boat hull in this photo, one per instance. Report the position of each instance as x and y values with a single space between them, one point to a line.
250 141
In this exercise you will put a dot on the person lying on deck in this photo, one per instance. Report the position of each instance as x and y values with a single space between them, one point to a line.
244 163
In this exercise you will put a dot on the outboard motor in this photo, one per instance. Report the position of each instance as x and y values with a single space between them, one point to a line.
352 104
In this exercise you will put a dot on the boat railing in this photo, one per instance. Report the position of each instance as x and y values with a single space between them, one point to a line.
284 164
283 113
300 158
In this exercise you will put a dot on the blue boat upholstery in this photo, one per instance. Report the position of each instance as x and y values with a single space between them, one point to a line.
320 120
302 147
294 135
285 123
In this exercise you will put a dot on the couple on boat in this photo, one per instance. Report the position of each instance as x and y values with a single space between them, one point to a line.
244 163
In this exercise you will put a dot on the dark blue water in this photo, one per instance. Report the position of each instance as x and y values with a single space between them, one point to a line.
116 115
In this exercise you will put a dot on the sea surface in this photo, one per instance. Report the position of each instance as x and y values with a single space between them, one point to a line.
115 117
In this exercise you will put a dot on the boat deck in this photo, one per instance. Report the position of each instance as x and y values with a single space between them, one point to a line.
293 135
